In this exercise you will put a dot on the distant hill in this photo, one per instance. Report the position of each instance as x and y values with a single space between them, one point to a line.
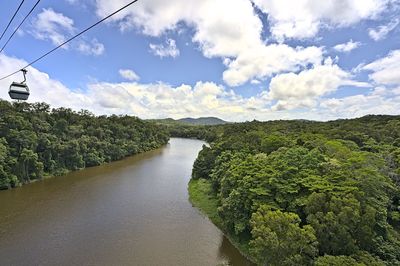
193 121
202 121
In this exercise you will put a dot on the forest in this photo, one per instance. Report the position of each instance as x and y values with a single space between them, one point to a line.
303 192
285 192
37 141
201 132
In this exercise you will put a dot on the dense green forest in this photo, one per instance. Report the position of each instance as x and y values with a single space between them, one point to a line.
286 192
303 192
37 141
183 130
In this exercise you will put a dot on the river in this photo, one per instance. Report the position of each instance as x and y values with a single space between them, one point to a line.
131 212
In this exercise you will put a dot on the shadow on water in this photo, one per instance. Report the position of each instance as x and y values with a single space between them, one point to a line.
229 252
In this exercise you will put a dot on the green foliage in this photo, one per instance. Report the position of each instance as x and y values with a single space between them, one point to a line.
199 195
201 166
337 261
360 259
36 141
341 225
278 239
181 129
274 142
333 187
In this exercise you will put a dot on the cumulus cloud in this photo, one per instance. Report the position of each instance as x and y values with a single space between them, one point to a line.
42 87
268 60
304 18
152 100
160 100
378 101
385 70
235 36
293 90
347 47
168 49
57 28
382 31
129 74
53 26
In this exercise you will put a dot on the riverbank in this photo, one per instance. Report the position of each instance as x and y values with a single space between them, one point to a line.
132 210
49 141
201 197
63 172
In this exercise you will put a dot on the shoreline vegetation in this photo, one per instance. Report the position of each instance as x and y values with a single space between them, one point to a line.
44 177
38 142
283 192
304 192
201 197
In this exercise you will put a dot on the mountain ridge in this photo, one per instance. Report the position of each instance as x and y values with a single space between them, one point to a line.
193 121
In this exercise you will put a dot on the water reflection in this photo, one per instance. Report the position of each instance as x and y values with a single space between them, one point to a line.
229 253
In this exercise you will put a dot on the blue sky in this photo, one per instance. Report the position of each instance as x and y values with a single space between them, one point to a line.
235 59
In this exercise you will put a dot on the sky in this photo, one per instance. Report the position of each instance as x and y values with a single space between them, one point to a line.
238 60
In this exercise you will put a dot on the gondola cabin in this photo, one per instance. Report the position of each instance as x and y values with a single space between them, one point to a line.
19 91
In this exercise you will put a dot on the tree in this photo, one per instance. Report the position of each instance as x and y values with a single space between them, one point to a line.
340 178
6 180
29 167
360 259
273 143
203 164
337 261
278 239
336 222
37 141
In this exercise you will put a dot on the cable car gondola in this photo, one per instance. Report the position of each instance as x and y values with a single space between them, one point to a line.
19 90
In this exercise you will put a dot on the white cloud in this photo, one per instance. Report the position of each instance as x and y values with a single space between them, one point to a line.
381 32
53 26
167 50
386 70
347 47
92 48
303 89
161 100
153 100
264 61
129 74
42 87
375 102
57 28
235 36
304 18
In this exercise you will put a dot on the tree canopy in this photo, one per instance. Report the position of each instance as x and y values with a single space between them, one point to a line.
308 193
37 141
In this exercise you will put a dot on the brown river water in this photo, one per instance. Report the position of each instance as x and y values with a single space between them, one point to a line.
131 212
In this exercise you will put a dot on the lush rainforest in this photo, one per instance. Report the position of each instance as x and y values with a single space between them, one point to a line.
178 129
287 192
306 193
37 141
